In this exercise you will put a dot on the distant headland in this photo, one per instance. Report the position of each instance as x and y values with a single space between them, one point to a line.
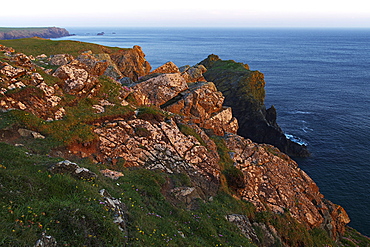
28 32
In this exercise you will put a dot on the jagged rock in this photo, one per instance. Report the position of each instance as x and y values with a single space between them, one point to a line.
77 79
269 235
111 174
30 133
3 48
94 65
202 103
166 68
41 56
118 208
186 195
131 62
245 226
194 73
21 59
60 59
222 122
244 92
160 146
46 241
10 71
112 69
273 181
159 89
73 169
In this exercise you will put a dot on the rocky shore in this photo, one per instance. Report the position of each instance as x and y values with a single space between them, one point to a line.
195 121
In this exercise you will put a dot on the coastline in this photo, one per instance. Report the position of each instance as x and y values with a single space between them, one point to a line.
7 33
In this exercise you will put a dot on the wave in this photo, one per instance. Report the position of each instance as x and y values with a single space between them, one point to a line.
300 112
296 139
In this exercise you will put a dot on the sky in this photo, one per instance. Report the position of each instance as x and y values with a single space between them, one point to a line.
190 13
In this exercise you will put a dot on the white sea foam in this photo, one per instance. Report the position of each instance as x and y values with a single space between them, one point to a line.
296 139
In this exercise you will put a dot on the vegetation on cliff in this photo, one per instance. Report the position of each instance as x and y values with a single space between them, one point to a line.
178 183
237 81
28 32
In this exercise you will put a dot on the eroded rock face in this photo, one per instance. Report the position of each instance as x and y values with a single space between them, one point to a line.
203 104
60 59
244 91
160 146
194 73
131 62
273 181
76 77
166 68
32 93
158 90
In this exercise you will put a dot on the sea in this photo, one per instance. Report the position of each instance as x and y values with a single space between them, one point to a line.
318 79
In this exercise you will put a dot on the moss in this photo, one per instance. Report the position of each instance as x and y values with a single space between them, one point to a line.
234 177
188 131
151 114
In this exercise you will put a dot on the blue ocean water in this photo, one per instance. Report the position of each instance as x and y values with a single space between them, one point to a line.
318 80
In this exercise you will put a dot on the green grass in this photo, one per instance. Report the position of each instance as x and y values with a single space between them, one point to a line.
354 238
187 130
33 201
37 46
28 29
77 125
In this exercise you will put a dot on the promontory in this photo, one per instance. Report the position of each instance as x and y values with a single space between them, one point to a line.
28 32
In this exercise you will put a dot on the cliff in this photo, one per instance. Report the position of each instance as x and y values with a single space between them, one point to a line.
18 33
97 150
244 91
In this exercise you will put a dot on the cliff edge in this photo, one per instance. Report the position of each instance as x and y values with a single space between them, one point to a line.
47 32
98 150
244 92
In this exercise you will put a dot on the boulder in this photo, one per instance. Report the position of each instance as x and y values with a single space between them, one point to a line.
111 174
166 68
60 59
203 104
93 64
194 73
68 167
159 89
46 241
76 77
131 62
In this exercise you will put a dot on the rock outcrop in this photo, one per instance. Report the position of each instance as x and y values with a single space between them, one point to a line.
160 145
21 87
131 62
266 171
244 91
18 33
177 123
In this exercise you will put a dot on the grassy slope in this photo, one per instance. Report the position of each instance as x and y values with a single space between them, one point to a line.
37 46
32 200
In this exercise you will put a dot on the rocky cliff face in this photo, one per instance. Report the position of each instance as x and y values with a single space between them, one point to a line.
196 135
244 92
18 33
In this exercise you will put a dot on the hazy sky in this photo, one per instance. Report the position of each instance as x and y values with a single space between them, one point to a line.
215 13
